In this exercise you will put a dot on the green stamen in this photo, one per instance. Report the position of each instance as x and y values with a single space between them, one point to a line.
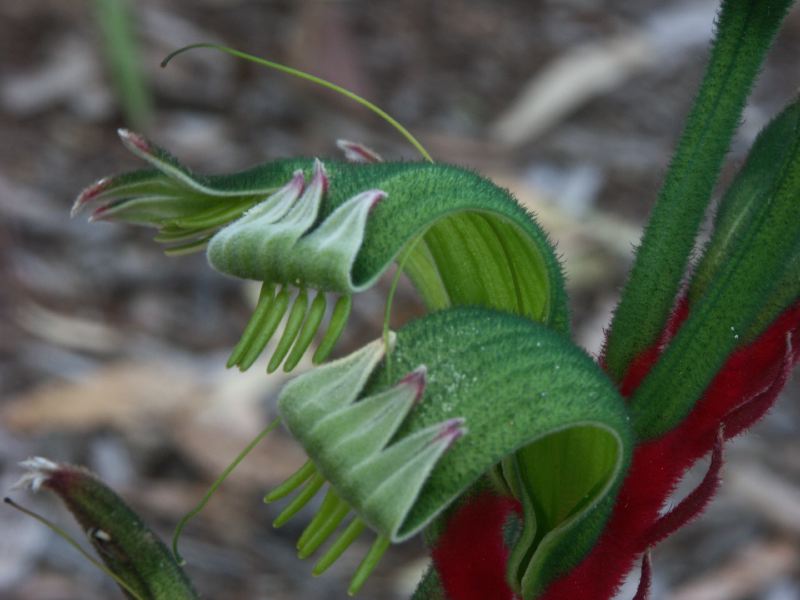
368 564
329 504
341 311
353 530
340 511
255 324
315 315
272 319
292 483
312 487
291 330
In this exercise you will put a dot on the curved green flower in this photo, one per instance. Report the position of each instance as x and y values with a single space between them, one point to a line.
400 438
294 224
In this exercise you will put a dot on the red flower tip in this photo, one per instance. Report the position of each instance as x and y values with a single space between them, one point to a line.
319 176
297 183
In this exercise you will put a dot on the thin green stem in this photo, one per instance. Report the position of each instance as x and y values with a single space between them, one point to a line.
745 30
219 481
72 542
387 313
313 79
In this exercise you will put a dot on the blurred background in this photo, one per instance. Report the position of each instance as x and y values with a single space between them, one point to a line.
112 355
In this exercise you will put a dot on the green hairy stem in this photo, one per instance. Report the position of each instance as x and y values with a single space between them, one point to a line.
745 29
747 276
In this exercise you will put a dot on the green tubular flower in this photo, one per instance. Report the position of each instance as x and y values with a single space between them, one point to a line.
296 225
132 553
399 449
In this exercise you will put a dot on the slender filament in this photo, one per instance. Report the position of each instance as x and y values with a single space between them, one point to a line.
387 314
308 77
67 538
214 486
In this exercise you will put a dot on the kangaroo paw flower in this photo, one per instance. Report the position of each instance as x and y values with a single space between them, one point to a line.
136 558
397 450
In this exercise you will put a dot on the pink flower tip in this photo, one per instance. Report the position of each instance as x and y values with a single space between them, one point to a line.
135 141
89 194
99 213
376 198
297 182
451 430
416 379
357 152
320 176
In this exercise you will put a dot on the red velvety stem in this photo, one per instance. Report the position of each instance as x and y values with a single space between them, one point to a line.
739 395
693 504
471 556
643 591
642 364
743 417
643 493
